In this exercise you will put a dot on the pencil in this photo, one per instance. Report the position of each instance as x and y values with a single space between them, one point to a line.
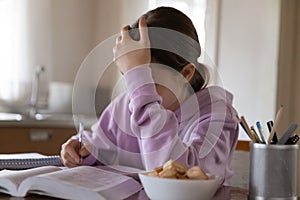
246 126
255 135
276 121
81 129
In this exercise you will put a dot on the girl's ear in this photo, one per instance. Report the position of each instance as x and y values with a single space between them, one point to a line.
188 71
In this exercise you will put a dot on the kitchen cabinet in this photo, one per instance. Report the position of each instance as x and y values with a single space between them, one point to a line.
45 140
243 145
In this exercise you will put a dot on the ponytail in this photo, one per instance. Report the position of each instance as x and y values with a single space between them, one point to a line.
201 77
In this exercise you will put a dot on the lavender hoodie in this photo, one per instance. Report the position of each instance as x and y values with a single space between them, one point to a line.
135 130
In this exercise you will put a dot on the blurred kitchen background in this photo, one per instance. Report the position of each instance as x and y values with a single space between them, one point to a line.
253 49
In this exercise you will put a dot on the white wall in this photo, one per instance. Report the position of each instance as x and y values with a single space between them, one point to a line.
247 56
63 33
79 26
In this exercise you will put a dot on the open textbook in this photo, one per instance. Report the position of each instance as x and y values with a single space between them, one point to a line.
83 182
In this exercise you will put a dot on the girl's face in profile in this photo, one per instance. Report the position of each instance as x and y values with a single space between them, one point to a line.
170 85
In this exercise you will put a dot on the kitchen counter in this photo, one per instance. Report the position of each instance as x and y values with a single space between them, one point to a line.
43 120
37 123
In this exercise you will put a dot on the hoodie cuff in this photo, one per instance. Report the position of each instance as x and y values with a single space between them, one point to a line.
138 77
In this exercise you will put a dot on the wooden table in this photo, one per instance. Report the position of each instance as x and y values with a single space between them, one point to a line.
224 193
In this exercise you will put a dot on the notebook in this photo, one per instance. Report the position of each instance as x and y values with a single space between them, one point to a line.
28 160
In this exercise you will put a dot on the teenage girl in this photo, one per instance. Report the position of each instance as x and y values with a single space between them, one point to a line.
168 111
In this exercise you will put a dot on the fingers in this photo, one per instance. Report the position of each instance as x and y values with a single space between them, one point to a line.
85 150
126 36
143 29
118 40
69 153
68 161
123 36
124 32
130 53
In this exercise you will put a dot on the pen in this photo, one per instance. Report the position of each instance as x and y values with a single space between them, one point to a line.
242 125
274 139
293 140
276 122
261 132
287 134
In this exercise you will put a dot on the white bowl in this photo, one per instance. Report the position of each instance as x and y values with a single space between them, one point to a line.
177 189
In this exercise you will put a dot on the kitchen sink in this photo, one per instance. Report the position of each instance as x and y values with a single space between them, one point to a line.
44 119
11 116
48 120
4 116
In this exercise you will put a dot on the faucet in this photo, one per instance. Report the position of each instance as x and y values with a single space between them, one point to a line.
34 98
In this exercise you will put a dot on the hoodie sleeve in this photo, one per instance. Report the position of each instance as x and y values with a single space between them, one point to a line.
208 140
155 127
213 154
103 150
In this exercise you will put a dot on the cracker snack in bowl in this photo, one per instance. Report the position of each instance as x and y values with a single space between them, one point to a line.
175 181
176 170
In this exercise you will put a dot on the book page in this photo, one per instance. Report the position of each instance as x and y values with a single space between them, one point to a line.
83 182
124 170
17 176
87 177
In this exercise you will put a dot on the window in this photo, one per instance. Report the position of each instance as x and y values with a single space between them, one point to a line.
12 50
25 38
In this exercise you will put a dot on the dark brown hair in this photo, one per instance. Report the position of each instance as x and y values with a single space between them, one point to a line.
179 39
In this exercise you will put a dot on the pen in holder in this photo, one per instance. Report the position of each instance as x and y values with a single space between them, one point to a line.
273 171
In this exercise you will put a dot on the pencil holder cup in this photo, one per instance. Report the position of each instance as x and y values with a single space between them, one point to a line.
273 172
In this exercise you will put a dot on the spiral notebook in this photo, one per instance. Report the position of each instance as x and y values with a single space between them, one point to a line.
28 160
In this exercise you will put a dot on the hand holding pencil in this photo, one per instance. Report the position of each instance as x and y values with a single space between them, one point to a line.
74 150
